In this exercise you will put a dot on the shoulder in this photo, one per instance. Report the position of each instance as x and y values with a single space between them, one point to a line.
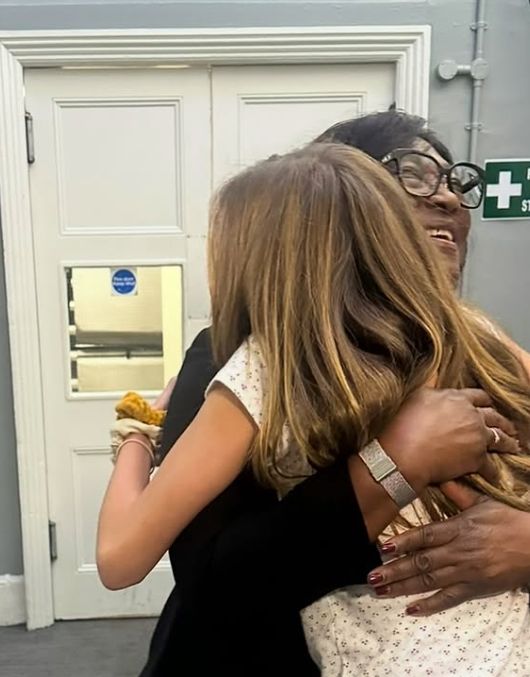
244 376
522 355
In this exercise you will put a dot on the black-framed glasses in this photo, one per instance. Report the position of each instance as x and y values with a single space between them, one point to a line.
421 175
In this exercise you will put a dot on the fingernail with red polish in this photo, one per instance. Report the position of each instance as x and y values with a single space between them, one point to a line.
383 590
413 610
375 579
388 548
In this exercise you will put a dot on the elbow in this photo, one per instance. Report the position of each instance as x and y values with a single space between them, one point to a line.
115 572
115 581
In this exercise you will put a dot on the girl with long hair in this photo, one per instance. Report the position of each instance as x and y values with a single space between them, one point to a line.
330 309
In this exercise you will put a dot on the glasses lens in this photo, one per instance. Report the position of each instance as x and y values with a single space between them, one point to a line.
467 182
419 174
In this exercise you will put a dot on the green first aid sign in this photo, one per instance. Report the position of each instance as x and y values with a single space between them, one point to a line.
507 189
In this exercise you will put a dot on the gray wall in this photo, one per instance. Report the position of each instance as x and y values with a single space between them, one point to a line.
10 540
498 273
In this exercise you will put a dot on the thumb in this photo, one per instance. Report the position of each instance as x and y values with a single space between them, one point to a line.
462 496
162 400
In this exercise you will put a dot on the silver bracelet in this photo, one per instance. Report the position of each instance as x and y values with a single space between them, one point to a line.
386 473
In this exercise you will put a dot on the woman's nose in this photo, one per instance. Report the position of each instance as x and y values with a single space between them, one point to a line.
445 198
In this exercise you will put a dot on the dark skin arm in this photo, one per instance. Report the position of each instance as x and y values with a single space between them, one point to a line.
483 551
452 416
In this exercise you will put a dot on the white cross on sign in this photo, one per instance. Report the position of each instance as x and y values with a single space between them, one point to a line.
504 190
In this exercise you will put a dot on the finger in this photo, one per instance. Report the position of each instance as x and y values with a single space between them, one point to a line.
502 442
169 386
489 470
163 399
441 601
431 535
477 397
493 419
462 495
423 564
427 581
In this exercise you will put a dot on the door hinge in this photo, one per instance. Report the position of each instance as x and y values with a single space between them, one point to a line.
52 533
30 146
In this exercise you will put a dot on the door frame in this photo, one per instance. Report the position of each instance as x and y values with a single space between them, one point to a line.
406 46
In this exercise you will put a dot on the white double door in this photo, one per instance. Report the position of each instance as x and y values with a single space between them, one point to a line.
125 162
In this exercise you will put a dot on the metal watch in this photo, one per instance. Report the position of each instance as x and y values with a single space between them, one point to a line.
386 473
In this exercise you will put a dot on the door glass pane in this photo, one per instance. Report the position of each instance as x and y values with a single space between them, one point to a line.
125 326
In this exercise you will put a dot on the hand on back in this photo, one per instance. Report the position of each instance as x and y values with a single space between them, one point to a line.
439 435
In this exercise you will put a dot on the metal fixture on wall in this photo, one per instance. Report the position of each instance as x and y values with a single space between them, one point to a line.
477 71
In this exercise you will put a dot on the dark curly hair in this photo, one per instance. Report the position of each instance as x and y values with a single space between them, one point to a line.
377 134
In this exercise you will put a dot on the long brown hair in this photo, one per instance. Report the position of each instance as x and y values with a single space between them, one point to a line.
319 256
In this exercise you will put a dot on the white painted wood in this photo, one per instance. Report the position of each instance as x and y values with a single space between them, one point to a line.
122 173
261 110
24 340
316 44
154 130
407 46
12 600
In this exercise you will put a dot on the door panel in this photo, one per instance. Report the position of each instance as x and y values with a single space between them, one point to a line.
258 110
119 194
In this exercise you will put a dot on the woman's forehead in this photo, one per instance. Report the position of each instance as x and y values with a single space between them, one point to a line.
425 147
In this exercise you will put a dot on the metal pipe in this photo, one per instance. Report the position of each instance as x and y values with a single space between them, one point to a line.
476 96
475 126
480 27
477 71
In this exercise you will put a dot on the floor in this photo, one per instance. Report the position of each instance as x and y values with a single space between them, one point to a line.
113 648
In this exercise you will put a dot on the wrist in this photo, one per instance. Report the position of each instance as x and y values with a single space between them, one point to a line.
143 433
408 462
386 473
140 445
375 504
138 437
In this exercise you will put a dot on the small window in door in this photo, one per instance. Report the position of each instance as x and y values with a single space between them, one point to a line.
125 327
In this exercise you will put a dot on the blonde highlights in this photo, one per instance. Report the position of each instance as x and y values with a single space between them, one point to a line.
319 256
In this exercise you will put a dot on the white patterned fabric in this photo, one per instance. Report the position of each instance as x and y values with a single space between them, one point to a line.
352 633
245 375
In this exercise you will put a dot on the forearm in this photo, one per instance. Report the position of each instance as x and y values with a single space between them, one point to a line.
129 479
202 463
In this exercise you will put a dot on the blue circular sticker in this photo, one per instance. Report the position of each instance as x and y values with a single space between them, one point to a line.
123 281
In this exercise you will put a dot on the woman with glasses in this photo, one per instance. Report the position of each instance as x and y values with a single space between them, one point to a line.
444 192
